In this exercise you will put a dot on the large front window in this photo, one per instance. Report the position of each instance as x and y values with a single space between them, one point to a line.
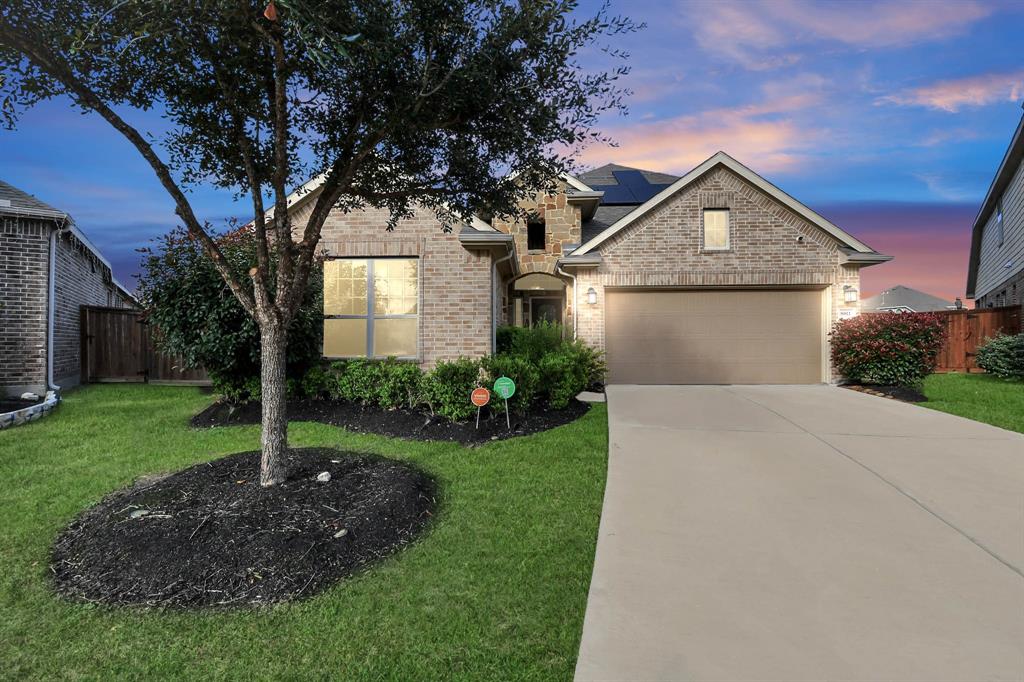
371 307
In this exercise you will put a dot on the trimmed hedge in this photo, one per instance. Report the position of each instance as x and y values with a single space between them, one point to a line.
1003 356
892 349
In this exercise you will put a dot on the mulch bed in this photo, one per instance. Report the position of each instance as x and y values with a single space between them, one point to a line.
13 404
210 536
410 424
902 393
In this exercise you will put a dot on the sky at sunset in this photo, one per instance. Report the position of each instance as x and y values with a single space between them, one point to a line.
887 118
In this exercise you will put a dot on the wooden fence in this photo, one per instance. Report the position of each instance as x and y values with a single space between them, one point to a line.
117 346
968 329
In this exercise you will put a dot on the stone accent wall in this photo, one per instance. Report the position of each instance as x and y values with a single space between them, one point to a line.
561 227
456 291
769 246
82 279
24 262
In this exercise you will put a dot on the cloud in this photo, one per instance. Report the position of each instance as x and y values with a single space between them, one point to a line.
769 34
770 135
953 95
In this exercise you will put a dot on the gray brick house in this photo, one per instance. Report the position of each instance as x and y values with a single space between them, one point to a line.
995 272
48 270
717 276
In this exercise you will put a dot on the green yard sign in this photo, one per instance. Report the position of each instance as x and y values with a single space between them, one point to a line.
504 387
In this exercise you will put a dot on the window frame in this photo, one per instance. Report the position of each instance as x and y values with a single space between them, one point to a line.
371 316
544 233
1000 232
704 231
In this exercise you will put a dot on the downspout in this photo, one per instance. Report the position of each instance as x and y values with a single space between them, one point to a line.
575 300
51 306
495 299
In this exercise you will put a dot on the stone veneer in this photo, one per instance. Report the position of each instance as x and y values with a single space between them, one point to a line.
665 249
456 303
561 228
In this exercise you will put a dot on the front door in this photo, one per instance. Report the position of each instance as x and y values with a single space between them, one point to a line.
545 309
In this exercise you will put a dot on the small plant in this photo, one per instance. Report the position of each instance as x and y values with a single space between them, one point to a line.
897 349
1003 356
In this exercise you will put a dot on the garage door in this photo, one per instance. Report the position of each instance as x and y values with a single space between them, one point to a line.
714 337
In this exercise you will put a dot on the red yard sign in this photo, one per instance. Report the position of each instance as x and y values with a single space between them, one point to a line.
480 397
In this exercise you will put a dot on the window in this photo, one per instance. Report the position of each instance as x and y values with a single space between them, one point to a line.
536 240
999 223
371 307
716 229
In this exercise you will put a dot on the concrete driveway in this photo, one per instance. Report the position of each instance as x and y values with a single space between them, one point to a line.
804 533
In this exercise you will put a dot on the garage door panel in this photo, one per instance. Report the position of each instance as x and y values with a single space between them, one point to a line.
714 336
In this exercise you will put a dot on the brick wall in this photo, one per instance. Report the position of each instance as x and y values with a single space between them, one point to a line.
769 245
24 261
82 279
456 294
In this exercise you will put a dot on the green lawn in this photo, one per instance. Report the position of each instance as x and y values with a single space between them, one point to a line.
495 591
981 397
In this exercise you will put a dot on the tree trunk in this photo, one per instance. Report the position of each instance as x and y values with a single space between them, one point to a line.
274 441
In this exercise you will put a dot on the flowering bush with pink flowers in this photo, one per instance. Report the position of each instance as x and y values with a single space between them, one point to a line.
891 349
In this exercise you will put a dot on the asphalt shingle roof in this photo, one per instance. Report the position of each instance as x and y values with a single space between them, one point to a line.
13 201
603 175
904 297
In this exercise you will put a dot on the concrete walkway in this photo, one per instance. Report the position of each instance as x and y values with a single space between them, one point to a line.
804 533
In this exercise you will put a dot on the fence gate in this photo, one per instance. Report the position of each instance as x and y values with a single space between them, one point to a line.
968 329
117 345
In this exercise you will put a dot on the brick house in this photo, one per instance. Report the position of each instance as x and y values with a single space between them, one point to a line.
48 270
995 272
714 277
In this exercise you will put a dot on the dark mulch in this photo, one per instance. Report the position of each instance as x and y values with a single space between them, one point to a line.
12 404
410 424
903 393
211 536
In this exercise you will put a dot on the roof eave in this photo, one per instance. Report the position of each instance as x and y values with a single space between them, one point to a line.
861 258
587 260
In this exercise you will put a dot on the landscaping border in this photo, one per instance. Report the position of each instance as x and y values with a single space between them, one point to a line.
30 413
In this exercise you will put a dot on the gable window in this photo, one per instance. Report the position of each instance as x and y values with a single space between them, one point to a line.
999 223
536 238
716 229
371 307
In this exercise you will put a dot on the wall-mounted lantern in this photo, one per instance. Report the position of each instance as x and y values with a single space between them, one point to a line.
849 294
592 296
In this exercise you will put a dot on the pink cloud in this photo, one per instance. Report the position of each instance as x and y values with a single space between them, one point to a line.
953 95
764 35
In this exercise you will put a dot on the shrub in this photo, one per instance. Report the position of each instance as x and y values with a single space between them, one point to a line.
887 348
533 343
447 388
398 384
1003 356
199 319
317 382
571 369
525 374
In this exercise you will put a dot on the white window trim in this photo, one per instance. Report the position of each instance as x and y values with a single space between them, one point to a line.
370 316
728 230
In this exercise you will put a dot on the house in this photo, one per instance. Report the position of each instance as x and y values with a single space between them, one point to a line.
995 272
717 276
48 270
901 299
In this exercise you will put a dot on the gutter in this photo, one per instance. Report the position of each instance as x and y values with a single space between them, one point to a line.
575 301
495 299
872 258
51 304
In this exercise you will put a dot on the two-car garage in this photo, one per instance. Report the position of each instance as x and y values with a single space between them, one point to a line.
715 336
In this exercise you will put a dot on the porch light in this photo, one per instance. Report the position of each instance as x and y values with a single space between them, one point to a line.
592 296
849 294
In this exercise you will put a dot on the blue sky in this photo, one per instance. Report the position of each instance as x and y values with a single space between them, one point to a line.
888 118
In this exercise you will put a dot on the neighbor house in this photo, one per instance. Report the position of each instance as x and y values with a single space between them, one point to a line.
717 276
901 299
995 272
48 270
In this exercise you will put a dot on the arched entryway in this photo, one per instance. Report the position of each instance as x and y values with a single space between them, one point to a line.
538 297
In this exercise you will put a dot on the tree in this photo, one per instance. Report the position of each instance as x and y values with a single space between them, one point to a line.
452 105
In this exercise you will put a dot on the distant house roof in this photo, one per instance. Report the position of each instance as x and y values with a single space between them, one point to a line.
19 204
1007 167
904 298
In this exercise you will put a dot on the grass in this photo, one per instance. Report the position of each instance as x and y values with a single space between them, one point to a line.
981 397
496 590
